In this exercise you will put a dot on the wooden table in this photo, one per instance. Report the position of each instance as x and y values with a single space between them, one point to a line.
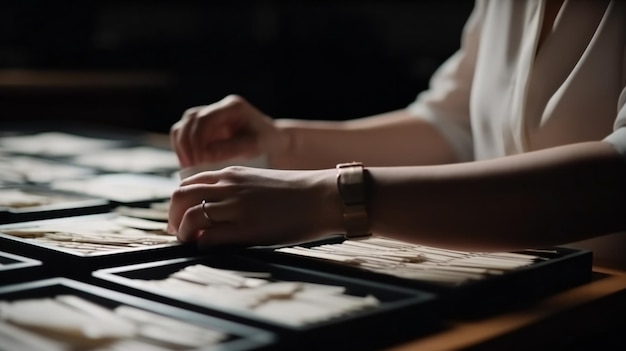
589 316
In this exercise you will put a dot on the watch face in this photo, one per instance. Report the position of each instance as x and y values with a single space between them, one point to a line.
352 192
350 183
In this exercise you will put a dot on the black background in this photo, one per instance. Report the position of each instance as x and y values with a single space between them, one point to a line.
298 59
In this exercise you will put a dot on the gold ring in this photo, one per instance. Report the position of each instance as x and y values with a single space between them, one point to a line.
205 213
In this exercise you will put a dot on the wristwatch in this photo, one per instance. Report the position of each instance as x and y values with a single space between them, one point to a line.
351 186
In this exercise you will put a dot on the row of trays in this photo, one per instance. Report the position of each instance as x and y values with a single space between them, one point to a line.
382 309
294 307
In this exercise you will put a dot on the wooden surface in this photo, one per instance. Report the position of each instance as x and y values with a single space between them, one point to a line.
591 314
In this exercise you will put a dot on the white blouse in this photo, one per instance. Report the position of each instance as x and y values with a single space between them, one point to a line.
500 94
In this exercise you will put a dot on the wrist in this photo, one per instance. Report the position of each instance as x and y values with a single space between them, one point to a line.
284 145
327 208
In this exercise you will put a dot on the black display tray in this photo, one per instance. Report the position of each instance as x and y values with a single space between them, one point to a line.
402 313
561 268
16 268
66 204
72 263
241 337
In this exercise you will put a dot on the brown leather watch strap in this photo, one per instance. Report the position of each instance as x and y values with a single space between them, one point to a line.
351 186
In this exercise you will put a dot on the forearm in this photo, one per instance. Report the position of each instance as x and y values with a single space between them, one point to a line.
390 139
536 199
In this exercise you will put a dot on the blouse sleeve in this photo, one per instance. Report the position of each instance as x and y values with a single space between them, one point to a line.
446 103
618 137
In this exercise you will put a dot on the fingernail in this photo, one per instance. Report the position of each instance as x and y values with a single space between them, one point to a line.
170 229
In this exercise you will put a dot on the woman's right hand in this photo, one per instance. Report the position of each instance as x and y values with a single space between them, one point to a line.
227 129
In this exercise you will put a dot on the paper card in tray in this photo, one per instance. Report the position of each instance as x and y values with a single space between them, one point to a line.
63 314
54 144
33 170
21 203
95 237
138 159
296 302
473 282
122 187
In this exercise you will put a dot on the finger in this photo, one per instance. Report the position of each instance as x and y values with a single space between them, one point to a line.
204 177
212 120
186 197
218 122
202 217
201 131
195 221
182 141
183 159
188 140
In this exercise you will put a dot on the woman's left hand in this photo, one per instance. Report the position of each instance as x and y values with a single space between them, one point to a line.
251 206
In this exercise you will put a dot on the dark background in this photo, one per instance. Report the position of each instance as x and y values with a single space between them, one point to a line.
139 64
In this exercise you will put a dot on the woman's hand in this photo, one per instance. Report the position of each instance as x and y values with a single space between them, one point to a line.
230 128
250 206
